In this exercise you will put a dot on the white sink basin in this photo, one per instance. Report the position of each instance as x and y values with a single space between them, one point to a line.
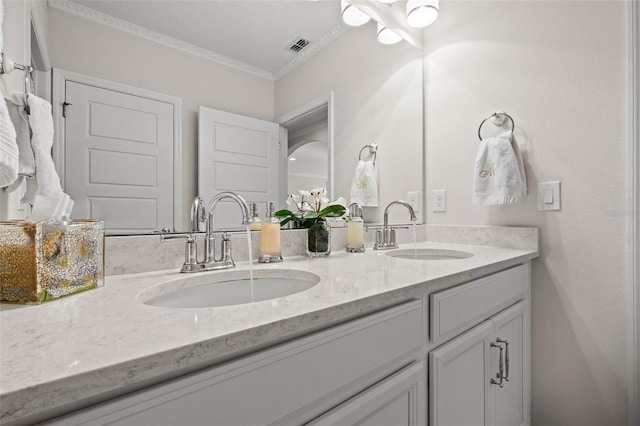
429 254
227 288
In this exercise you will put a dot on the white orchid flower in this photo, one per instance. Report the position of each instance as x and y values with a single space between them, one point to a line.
293 202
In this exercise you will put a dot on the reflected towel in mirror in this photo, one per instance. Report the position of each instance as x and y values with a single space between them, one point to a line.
20 120
364 186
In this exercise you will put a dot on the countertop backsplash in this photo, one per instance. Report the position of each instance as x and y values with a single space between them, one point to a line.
145 253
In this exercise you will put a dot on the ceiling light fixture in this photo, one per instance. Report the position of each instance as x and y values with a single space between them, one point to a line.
387 36
353 16
421 13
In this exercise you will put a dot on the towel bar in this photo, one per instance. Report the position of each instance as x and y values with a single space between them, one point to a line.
373 149
7 65
499 119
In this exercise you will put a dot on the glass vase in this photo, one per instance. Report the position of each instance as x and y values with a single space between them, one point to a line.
319 239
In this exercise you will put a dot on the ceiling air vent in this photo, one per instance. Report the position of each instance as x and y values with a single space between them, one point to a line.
298 44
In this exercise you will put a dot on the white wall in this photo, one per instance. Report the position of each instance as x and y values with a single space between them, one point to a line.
86 47
378 98
560 69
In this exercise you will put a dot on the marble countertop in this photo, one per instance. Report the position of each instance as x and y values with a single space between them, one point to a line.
101 340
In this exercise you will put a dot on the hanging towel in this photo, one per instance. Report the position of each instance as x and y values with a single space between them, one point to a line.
499 176
20 120
48 199
8 146
364 186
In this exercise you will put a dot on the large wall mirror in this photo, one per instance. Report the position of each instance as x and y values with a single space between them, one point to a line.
260 59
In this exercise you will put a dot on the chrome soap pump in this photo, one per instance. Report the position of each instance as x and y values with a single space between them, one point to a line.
355 229
270 238
254 223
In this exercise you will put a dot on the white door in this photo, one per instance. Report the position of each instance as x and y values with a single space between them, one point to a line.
512 399
119 158
240 154
459 377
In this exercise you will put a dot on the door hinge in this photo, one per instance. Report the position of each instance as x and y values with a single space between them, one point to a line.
64 108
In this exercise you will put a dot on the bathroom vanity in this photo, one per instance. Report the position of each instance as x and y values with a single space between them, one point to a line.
379 339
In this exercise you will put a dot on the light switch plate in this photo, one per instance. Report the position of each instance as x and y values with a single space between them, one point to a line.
549 196
439 200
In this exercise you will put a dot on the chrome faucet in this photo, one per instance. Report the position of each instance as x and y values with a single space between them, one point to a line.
198 215
225 261
386 238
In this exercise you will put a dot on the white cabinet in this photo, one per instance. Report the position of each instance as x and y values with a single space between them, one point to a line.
394 401
481 377
512 400
289 384
368 371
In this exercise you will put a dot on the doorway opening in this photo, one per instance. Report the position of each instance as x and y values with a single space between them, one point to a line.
307 147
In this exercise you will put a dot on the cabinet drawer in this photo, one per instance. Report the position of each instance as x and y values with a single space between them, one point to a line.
460 308
288 384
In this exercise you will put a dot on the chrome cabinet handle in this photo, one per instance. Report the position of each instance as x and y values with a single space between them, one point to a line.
506 357
500 374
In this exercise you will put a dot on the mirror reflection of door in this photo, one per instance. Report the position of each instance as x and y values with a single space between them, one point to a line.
308 152
121 146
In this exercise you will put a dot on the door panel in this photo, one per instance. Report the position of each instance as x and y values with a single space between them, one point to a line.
240 154
459 373
510 326
119 158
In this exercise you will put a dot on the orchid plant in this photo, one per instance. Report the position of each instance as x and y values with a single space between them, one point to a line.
309 207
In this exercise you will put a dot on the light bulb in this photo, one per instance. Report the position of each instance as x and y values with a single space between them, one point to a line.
387 36
353 16
421 13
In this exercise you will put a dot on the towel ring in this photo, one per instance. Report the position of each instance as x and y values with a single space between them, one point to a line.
373 149
499 118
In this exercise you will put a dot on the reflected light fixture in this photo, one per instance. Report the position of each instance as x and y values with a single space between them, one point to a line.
387 1
387 36
353 16
421 13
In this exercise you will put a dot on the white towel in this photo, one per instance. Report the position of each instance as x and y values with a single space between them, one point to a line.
8 146
499 176
364 186
49 202
26 160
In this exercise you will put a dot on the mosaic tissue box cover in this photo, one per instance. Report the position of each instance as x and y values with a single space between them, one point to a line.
41 261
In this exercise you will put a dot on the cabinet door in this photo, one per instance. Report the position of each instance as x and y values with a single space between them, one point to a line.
511 327
459 377
398 400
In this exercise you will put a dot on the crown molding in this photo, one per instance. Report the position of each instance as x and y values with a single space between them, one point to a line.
119 24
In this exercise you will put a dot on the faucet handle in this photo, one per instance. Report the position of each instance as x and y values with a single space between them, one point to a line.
225 248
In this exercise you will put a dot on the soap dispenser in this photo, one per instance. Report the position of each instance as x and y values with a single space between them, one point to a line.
270 237
355 229
254 222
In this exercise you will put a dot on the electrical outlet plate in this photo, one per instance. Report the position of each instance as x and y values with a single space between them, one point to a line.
439 200
413 198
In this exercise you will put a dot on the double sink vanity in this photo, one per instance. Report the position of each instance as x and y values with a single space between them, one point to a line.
434 332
